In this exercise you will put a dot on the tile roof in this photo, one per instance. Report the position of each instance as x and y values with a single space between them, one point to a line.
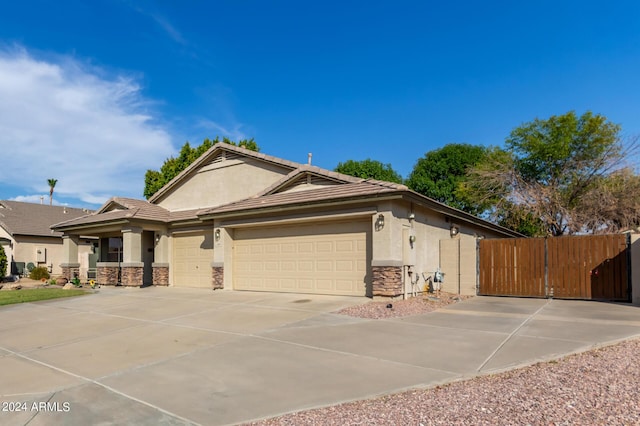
364 188
19 218
121 208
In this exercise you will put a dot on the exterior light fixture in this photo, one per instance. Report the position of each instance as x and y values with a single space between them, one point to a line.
380 221
454 230
216 235
157 238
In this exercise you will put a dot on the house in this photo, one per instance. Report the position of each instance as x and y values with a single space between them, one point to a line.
27 238
242 220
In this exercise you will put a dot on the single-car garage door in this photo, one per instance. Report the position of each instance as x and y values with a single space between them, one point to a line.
192 256
320 258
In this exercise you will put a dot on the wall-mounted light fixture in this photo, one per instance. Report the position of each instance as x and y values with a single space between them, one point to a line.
412 239
380 221
454 230
157 238
412 217
216 235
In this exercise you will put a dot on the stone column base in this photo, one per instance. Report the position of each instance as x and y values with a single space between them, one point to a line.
160 273
70 270
387 280
217 275
107 273
132 274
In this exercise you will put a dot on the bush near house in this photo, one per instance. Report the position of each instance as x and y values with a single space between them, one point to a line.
3 263
39 273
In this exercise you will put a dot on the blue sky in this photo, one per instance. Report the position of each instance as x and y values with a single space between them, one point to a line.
95 93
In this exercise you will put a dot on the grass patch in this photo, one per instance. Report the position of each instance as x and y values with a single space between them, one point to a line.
33 295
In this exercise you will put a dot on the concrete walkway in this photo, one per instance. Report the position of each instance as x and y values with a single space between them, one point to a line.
172 356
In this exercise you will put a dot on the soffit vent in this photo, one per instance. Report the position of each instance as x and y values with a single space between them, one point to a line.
225 156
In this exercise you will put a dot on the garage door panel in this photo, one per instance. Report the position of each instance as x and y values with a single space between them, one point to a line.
325 247
305 266
324 266
328 258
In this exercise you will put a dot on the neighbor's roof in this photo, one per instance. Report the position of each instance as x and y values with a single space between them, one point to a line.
19 218
121 208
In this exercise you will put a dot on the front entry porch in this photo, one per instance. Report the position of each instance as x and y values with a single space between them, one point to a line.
125 257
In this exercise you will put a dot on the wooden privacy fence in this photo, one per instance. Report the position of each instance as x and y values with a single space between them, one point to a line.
573 267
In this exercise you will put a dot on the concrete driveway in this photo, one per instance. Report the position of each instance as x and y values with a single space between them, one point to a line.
179 356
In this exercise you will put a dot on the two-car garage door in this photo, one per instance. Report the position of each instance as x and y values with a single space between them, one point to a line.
321 258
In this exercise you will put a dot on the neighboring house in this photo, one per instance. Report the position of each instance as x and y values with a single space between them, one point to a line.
26 235
238 219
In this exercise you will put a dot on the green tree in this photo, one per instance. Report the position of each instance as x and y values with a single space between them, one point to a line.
369 169
441 174
156 179
52 184
551 172
3 263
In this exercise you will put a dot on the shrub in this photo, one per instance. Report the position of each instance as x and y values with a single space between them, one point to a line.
3 262
39 273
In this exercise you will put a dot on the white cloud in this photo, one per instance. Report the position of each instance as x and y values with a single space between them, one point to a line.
65 121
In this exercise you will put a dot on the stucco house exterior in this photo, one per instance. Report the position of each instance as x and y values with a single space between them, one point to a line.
242 220
26 235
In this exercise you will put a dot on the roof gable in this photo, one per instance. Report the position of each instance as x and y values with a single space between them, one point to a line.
214 157
307 177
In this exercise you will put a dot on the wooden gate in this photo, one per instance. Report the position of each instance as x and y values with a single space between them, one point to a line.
574 267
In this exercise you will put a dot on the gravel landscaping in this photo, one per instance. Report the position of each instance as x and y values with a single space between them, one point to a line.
598 387
402 308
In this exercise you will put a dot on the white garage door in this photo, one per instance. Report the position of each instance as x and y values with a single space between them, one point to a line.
321 258
192 256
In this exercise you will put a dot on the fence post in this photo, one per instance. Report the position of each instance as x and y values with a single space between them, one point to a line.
629 266
547 293
477 266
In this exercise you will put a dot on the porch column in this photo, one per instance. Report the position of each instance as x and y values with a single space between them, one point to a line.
132 268
161 259
221 242
386 262
70 265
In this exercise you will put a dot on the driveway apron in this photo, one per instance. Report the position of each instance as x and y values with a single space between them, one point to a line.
190 356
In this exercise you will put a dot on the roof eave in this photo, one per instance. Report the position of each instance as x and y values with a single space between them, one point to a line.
459 214
66 228
299 205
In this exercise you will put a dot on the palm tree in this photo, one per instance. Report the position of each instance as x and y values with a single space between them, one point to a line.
52 184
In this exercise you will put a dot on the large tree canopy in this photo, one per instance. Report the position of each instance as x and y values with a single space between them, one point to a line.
369 169
441 172
156 179
563 175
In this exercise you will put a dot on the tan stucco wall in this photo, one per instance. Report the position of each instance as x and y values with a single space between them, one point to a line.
433 248
221 183
635 269
25 250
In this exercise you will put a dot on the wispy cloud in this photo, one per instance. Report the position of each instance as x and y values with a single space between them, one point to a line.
168 28
216 129
159 19
60 119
